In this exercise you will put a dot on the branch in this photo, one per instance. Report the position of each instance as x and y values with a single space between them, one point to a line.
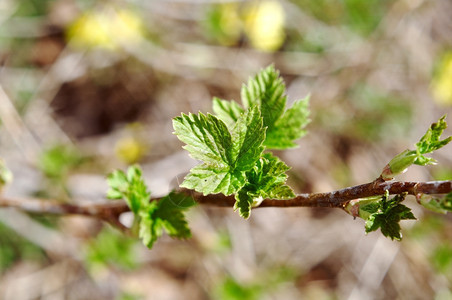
106 211
110 211
340 197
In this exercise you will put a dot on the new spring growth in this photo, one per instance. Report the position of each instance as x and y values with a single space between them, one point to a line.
357 207
398 165
427 144
437 204
382 212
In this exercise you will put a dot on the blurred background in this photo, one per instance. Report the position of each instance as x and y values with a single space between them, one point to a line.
90 86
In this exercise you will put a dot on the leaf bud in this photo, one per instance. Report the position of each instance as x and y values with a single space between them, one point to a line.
398 165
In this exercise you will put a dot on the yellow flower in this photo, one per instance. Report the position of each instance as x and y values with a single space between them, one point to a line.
130 149
109 29
264 25
441 85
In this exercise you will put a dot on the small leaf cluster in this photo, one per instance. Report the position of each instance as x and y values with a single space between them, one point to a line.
151 217
431 141
436 204
386 214
231 143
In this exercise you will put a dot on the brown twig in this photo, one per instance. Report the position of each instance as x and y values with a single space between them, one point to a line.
110 211
106 211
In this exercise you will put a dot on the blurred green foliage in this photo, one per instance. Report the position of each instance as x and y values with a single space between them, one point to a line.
433 233
130 296
32 8
376 114
361 16
58 160
442 173
442 257
111 248
230 289
264 284
222 243
373 115
56 163
14 248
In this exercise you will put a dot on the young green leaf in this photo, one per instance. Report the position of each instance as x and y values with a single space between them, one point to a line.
387 214
148 232
431 142
130 187
267 90
436 204
427 144
207 138
265 180
165 215
226 155
152 217
289 127
207 179
244 201
228 111
117 181
248 135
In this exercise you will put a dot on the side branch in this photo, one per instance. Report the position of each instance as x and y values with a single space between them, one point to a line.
110 211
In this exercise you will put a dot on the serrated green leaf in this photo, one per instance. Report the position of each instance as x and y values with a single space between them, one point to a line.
138 195
228 111
265 180
248 135
386 215
170 212
207 138
267 90
372 224
431 140
427 144
208 180
226 155
243 203
165 215
152 217
281 192
148 232
130 187
289 127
